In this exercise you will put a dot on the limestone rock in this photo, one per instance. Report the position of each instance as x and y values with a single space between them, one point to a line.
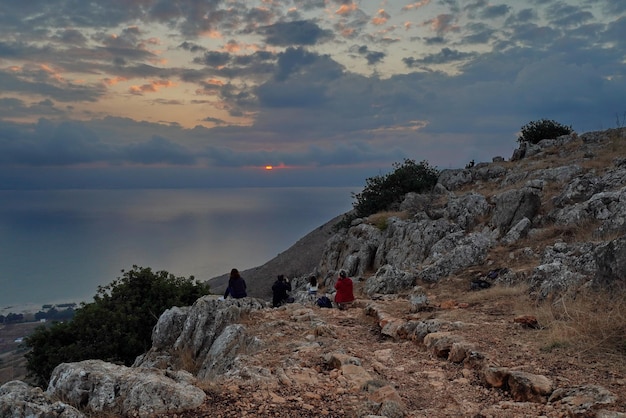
582 401
389 280
104 387
514 205
528 387
18 399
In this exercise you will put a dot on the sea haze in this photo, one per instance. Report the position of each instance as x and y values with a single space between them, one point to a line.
60 245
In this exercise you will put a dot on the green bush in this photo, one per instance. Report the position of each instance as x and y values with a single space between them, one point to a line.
385 192
537 130
116 327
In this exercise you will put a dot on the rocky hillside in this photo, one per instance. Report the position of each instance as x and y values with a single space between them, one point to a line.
499 294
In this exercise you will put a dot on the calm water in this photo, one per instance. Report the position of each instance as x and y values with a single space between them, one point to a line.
58 246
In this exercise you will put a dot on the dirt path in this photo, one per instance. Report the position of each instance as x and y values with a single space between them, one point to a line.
297 371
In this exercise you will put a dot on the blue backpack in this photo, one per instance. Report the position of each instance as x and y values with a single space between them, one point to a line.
324 302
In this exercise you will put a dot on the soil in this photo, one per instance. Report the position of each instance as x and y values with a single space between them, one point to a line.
12 361
297 339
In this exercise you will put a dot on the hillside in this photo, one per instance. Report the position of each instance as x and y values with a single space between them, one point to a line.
300 259
494 321
499 294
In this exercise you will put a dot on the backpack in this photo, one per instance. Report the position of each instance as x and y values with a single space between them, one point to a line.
324 302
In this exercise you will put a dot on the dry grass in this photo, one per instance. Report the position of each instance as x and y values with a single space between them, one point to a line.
589 324
582 231
518 294
602 160
186 360
381 220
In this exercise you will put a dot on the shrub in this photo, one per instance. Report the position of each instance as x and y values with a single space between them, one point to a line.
116 327
385 192
535 131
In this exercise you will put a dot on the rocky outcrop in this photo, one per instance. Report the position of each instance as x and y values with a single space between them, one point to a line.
450 230
18 399
202 334
99 386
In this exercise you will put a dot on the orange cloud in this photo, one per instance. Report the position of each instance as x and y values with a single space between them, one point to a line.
114 81
232 46
215 82
153 87
381 18
443 23
346 9
415 5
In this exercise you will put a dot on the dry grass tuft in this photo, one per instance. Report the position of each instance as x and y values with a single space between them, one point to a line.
381 220
583 231
187 360
589 324
517 293
210 387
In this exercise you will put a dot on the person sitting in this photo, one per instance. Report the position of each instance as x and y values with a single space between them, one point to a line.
312 289
344 286
236 286
279 291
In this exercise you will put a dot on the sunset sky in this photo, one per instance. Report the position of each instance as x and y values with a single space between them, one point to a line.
190 93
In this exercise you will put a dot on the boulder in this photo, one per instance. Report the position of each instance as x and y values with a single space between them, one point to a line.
583 401
192 331
455 252
610 259
389 280
354 250
528 387
98 386
18 399
514 205
221 357
407 244
454 179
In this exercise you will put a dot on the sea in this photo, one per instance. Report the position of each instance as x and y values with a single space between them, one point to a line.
58 246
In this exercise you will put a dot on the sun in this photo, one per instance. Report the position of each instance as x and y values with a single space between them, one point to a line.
269 167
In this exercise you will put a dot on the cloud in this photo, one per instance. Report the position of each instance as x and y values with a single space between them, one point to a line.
311 83
158 150
301 32
446 55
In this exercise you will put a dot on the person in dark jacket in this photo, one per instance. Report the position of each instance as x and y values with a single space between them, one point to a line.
236 286
279 291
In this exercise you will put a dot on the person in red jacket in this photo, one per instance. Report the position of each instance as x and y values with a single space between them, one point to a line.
345 295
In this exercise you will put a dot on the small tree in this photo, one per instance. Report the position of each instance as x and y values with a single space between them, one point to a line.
535 131
116 327
386 192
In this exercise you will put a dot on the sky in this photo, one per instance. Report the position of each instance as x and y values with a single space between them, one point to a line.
190 93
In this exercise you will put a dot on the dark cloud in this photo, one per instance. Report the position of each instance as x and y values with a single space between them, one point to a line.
49 144
38 81
294 94
523 16
158 150
214 59
372 57
446 55
492 12
303 32
192 47
478 33
436 40
71 37
299 60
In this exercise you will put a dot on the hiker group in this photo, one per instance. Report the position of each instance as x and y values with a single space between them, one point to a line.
281 288
343 298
